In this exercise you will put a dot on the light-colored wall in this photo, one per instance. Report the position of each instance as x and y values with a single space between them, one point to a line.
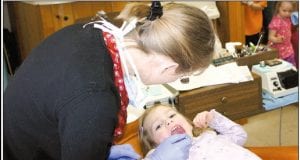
6 23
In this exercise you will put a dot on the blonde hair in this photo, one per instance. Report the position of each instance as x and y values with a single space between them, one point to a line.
183 33
145 139
278 4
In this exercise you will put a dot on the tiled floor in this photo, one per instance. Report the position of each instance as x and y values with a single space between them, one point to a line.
278 127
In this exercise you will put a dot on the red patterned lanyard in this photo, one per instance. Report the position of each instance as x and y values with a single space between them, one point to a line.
119 82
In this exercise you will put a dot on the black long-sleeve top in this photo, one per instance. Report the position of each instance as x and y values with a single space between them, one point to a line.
62 102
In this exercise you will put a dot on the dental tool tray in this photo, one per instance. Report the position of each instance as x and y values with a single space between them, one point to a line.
223 60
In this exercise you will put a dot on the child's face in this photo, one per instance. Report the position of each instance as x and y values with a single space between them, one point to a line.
164 121
285 9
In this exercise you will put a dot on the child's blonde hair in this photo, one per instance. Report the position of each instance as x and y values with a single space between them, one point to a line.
146 141
278 4
183 33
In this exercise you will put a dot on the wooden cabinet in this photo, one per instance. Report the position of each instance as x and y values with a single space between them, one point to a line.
32 22
230 26
235 101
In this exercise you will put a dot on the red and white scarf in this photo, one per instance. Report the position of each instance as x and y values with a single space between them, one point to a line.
119 82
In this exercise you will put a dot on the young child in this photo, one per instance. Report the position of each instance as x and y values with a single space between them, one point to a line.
222 140
280 31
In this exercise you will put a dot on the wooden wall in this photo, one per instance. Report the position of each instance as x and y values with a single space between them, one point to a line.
32 23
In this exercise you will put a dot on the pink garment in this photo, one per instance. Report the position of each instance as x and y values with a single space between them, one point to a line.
295 42
283 27
226 143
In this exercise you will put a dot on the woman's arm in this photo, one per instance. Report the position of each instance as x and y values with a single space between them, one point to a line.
86 124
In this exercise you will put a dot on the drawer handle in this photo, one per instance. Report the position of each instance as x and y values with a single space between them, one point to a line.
224 100
66 18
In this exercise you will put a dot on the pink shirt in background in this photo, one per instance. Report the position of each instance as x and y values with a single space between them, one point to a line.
282 26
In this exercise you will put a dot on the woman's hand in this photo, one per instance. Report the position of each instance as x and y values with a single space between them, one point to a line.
202 119
123 152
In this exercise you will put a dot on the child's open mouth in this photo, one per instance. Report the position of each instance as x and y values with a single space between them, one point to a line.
177 129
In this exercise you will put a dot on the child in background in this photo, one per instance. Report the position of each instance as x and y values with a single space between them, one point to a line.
222 140
280 31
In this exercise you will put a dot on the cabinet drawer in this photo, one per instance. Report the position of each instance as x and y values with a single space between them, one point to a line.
233 100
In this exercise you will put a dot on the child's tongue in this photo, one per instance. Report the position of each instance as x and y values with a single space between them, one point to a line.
177 130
